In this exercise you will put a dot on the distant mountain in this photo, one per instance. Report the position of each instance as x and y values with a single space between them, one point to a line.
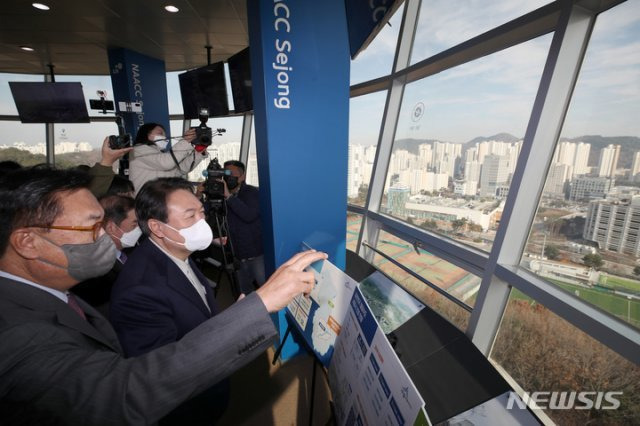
628 146
501 137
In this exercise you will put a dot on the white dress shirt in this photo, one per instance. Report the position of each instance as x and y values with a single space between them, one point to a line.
186 268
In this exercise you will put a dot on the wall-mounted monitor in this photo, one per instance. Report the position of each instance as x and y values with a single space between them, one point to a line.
240 76
41 102
204 88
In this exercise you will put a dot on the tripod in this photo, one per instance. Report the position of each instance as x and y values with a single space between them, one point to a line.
216 216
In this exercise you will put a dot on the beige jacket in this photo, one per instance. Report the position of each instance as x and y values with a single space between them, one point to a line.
147 162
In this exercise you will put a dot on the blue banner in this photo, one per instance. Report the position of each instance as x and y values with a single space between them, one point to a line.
137 78
300 72
366 19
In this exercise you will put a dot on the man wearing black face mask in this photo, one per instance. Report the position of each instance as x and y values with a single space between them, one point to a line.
245 227
60 360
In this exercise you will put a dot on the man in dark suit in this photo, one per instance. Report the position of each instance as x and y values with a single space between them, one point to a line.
245 226
161 295
120 223
60 360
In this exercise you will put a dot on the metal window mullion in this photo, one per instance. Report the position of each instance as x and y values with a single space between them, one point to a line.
420 278
449 250
49 135
612 332
557 83
369 230
407 34
245 140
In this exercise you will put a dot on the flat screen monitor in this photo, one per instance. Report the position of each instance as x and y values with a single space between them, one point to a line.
240 76
204 88
42 102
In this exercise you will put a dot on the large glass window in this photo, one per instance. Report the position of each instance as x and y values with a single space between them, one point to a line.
80 143
22 143
365 116
456 281
354 223
441 26
252 162
377 59
586 233
457 142
173 93
90 86
7 105
544 353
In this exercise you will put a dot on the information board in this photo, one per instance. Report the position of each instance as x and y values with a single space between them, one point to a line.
319 316
368 382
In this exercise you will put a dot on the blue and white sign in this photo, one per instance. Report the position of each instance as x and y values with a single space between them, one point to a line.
139 79
300 73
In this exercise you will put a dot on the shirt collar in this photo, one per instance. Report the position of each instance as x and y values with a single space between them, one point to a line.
57 293
172 257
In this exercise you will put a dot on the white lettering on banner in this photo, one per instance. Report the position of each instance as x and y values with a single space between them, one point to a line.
282 13
555 400
377 13
137 91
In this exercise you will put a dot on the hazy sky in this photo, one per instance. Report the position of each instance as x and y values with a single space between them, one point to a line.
490 95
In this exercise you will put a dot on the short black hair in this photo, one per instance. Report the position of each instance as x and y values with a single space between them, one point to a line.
235 163
142 137
31 196
151 201
116 208
120 185
8 166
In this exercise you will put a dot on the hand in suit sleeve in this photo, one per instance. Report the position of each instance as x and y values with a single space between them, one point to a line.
51 375
143 320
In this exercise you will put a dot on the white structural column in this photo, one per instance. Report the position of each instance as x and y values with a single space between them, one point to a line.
245 142
558 80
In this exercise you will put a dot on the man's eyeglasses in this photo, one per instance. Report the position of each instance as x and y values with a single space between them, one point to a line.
95 228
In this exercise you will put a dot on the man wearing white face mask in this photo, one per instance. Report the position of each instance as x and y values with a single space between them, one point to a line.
155 156
160 294
121 225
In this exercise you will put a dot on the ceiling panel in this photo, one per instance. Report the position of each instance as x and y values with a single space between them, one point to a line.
75 35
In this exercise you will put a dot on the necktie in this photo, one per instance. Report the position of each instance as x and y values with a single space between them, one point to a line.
123 257
73 304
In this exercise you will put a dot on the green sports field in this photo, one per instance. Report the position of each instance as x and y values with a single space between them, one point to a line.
623 308
620 283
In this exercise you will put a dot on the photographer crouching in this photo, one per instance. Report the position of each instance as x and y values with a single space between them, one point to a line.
154 155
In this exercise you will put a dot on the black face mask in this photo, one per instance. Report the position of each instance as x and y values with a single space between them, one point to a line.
232 182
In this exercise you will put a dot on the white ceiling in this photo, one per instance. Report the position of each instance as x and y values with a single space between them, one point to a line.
74 35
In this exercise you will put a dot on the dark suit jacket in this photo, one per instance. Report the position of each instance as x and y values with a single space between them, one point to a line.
56 368
245 225
152 304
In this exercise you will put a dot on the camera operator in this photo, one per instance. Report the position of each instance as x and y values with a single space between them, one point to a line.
155 156
245 226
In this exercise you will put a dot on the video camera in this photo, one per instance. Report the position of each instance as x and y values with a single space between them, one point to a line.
123 140
213 187
120 141
204 133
